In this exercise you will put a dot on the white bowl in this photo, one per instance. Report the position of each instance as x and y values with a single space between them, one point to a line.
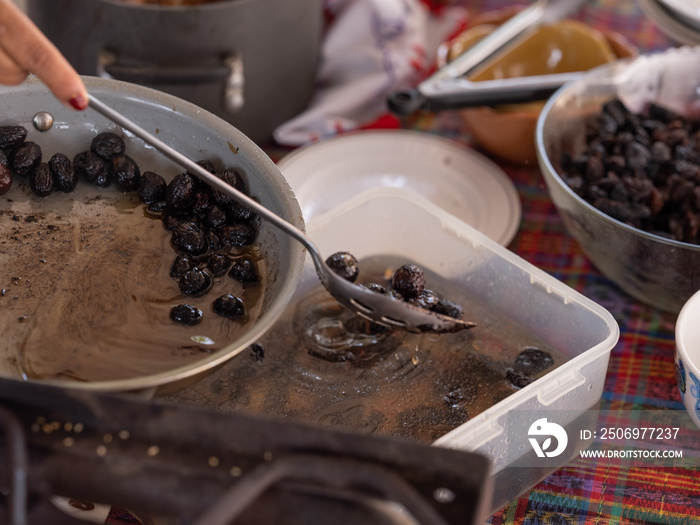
688 356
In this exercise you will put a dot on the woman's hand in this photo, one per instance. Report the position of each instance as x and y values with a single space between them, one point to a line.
25 49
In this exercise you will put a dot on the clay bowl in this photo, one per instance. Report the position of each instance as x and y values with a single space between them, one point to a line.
507 131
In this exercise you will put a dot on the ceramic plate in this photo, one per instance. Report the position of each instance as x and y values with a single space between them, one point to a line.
670 23
459 180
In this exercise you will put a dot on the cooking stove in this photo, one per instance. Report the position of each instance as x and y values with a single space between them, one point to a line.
171 464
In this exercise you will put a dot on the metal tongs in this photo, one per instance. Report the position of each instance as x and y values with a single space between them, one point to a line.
449 88
376 307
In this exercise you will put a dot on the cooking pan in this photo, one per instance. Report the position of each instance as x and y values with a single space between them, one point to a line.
86 293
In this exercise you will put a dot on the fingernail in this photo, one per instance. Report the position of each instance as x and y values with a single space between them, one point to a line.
79 102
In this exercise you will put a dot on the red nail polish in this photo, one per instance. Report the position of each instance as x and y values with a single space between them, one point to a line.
79 102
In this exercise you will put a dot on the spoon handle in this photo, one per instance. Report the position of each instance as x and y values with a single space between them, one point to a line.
200 172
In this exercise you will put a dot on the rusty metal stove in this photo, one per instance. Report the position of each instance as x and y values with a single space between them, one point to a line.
177 465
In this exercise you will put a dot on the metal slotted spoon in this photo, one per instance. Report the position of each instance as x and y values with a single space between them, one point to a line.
370 305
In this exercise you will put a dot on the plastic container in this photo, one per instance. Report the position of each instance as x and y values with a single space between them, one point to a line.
393 222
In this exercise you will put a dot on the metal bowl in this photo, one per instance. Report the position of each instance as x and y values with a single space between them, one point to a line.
86 273
655 270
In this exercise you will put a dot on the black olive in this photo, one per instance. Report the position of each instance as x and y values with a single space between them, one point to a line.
41 181
518 379
186 314
25 158
180 194
195 283
237 234
229 306
170 221
427 299
216 217
182 264
232 177
207 165
12 136
214 242
152 188
189 238
157 208
375 287
202 201
92 168
448 308
107 145
532 360
345 265
218 264
244 271
236 212
125 173
408 280
393 294
64 176
5 179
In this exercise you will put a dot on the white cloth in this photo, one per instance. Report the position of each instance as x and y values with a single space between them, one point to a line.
372 48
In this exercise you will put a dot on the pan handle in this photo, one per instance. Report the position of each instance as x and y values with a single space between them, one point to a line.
461 93
229 71
405 102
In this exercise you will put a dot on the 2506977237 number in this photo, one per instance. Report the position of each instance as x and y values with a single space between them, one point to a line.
651 433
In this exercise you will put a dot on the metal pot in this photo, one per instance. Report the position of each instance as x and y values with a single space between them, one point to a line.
251 62
68 256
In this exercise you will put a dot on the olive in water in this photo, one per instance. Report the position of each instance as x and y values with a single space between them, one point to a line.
215 217
189 238
186 314
152 188
64 177
107 145
237 234
180 193
125 173
236 212
92 168
518 379
409 281
202 201
244 271
41 181
195 283
218 264
182 264
206 165
232 177
229 306
12 136
532 360
25 158
345 265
